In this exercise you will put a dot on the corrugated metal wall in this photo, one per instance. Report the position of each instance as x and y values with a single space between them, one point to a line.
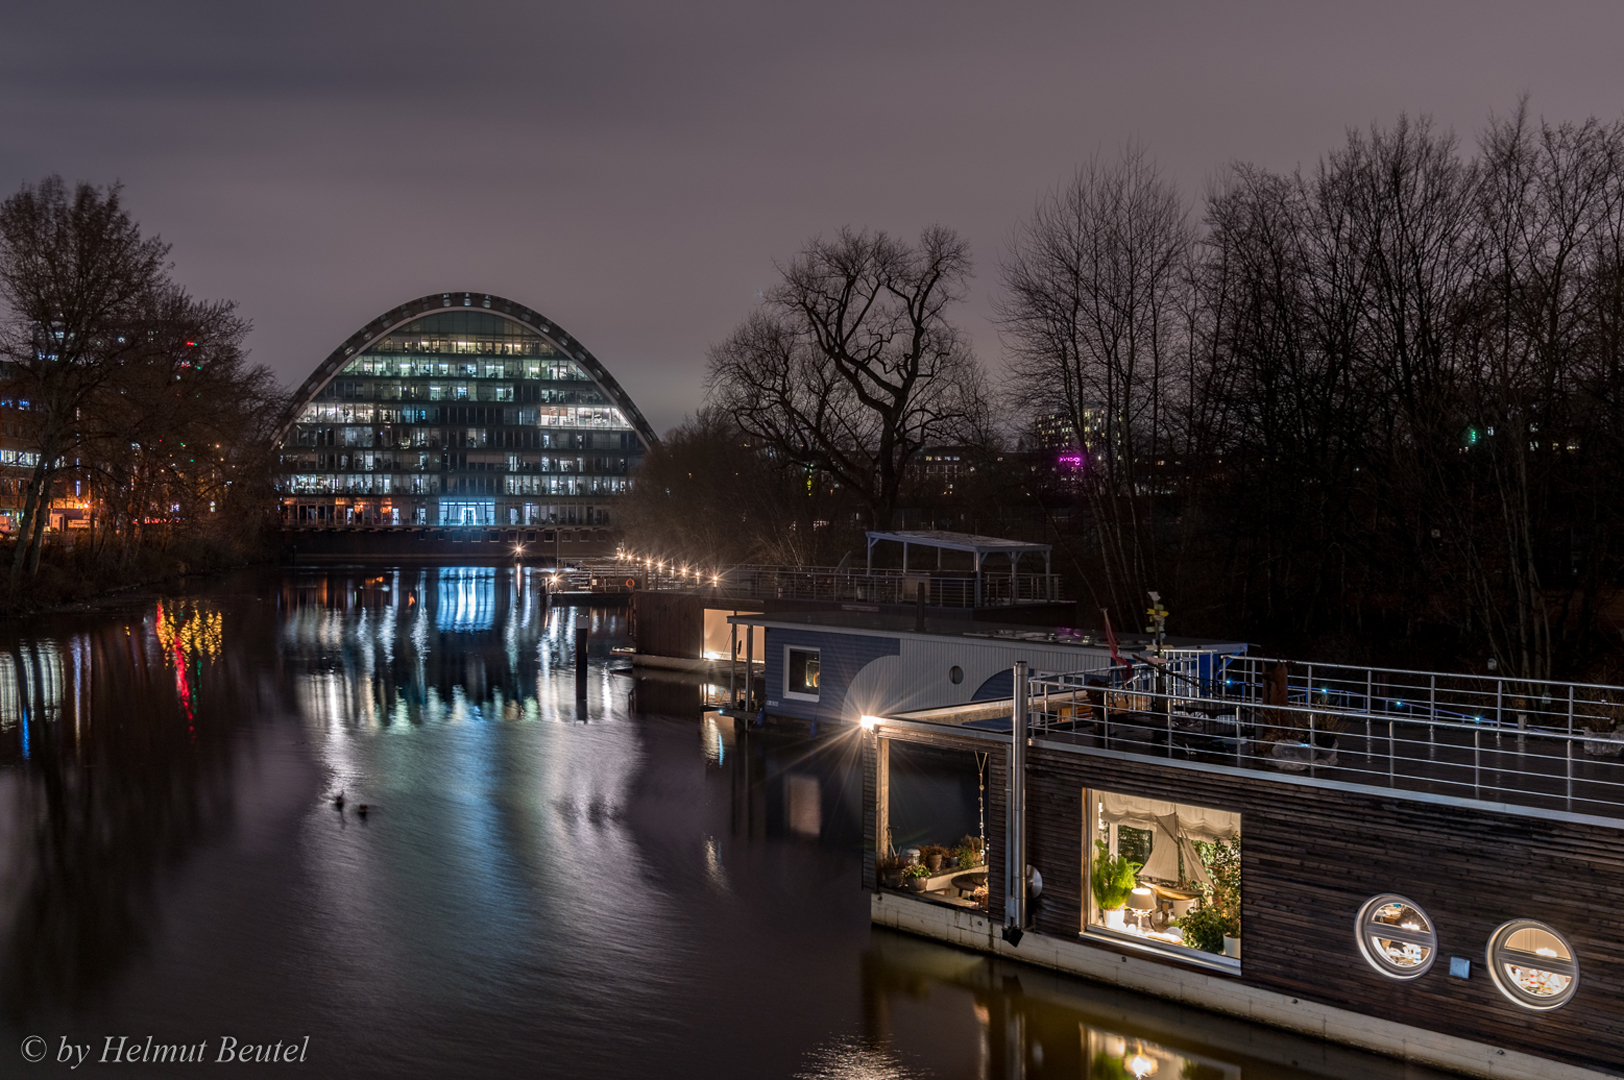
841 657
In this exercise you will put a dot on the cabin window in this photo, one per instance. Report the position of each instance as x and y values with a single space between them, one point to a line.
1164 874
1533 965
800 673
1396 937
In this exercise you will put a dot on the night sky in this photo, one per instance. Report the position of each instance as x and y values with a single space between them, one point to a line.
632 170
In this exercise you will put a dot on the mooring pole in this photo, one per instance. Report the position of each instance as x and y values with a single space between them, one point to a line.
1015 816
581 626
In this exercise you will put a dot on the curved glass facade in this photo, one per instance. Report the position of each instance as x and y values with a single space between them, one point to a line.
459 418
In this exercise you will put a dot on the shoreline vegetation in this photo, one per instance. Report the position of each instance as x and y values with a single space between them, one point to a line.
139 441
68 579
1369 410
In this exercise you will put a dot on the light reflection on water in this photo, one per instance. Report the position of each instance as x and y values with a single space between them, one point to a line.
552 877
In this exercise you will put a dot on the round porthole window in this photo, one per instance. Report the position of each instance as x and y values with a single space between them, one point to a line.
1533 965
1396 937
955 674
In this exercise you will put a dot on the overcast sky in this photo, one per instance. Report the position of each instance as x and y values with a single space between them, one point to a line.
632 170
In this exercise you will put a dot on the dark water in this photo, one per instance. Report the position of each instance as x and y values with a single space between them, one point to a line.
552 879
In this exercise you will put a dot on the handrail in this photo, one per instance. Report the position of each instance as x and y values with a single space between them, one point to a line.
1552 759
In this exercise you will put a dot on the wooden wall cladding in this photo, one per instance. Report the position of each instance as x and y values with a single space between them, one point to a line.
997 801
668 624
1312 856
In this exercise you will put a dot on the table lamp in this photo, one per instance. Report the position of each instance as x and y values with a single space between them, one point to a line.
1142 901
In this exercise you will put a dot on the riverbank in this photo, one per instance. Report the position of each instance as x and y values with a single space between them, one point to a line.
72 576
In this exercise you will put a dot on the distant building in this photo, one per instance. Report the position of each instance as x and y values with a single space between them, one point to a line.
945 467
460 410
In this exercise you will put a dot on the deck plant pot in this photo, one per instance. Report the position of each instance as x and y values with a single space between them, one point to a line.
1114 919
1232 946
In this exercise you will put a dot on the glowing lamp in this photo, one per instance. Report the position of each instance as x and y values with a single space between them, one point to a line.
868 722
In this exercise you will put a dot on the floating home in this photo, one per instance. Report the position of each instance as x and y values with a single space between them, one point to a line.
1421 864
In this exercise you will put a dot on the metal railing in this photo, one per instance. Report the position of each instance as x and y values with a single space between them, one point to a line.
863 586
1539 744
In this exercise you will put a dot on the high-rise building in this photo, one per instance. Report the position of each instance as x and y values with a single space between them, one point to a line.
459 411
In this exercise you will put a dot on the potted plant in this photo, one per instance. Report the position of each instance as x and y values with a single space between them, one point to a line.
966 857
1206 927
933 854
915 877
1215 926
890 869
978 849
1112 878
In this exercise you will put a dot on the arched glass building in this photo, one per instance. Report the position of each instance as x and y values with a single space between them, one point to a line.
458 412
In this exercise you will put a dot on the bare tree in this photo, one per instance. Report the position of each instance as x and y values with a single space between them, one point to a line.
707 494
1095 291
850 366
77 279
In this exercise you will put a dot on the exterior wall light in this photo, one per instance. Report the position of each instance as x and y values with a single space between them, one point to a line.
869 722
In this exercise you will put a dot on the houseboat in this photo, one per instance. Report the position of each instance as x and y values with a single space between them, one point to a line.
1421 864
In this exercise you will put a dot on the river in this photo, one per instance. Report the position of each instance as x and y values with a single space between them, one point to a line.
551 878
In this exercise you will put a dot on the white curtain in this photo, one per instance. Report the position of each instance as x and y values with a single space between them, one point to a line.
1195 822
1173 827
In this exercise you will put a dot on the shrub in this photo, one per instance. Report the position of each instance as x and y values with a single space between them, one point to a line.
1112 877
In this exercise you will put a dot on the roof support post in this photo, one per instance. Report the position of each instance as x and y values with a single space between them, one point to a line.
1015 816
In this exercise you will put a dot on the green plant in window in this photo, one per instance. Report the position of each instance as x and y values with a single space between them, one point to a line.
1204 928
1222 859
1112 877
1220 910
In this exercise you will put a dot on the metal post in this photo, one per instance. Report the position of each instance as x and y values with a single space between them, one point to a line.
1477 761
733 666
1570 768
1015 814
1313 743
749 668
1392 754
1369 708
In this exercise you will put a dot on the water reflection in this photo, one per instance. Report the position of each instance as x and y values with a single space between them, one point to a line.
588 879
439 645
107 772
935 1011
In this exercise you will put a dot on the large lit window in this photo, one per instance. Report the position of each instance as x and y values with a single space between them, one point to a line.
801 673
1164 874
1396 937
1533 965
